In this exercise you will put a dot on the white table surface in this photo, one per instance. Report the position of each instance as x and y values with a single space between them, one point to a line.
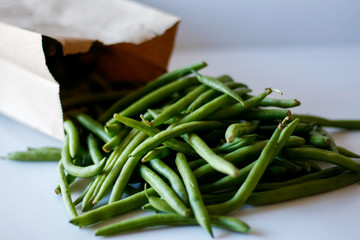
325 80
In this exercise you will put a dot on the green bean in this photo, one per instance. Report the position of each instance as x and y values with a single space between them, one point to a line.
275 144
152 85
41 149
170 219
347 124
115 141
74 139
325 133
168 134
329 172
319 140
94 150
237 109
239 129
158 203
152 131
69 179
261 114
195 199
35 155
157 153
324 156
65 191
163 190
119 164
238 142
218 85
93 126
303 189
281 103
214 160
105 212
174 180
347 152
78 171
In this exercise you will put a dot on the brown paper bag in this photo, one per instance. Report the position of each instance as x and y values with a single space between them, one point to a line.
48 45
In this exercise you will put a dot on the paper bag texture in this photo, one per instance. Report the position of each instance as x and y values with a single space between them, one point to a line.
136 43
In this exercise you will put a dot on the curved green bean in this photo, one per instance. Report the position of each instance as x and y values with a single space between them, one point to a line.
79 171
74 139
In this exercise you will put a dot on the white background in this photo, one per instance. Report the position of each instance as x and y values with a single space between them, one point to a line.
308 49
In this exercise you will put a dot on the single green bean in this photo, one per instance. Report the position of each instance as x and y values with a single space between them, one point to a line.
79 171
347 124
94 151
170 219
239 142
35 155
93 126
347 152
195 199
239 129
281 103
74 139
218 85
65 191
117 208
219 163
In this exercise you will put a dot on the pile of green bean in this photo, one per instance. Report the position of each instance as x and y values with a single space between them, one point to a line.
191 149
